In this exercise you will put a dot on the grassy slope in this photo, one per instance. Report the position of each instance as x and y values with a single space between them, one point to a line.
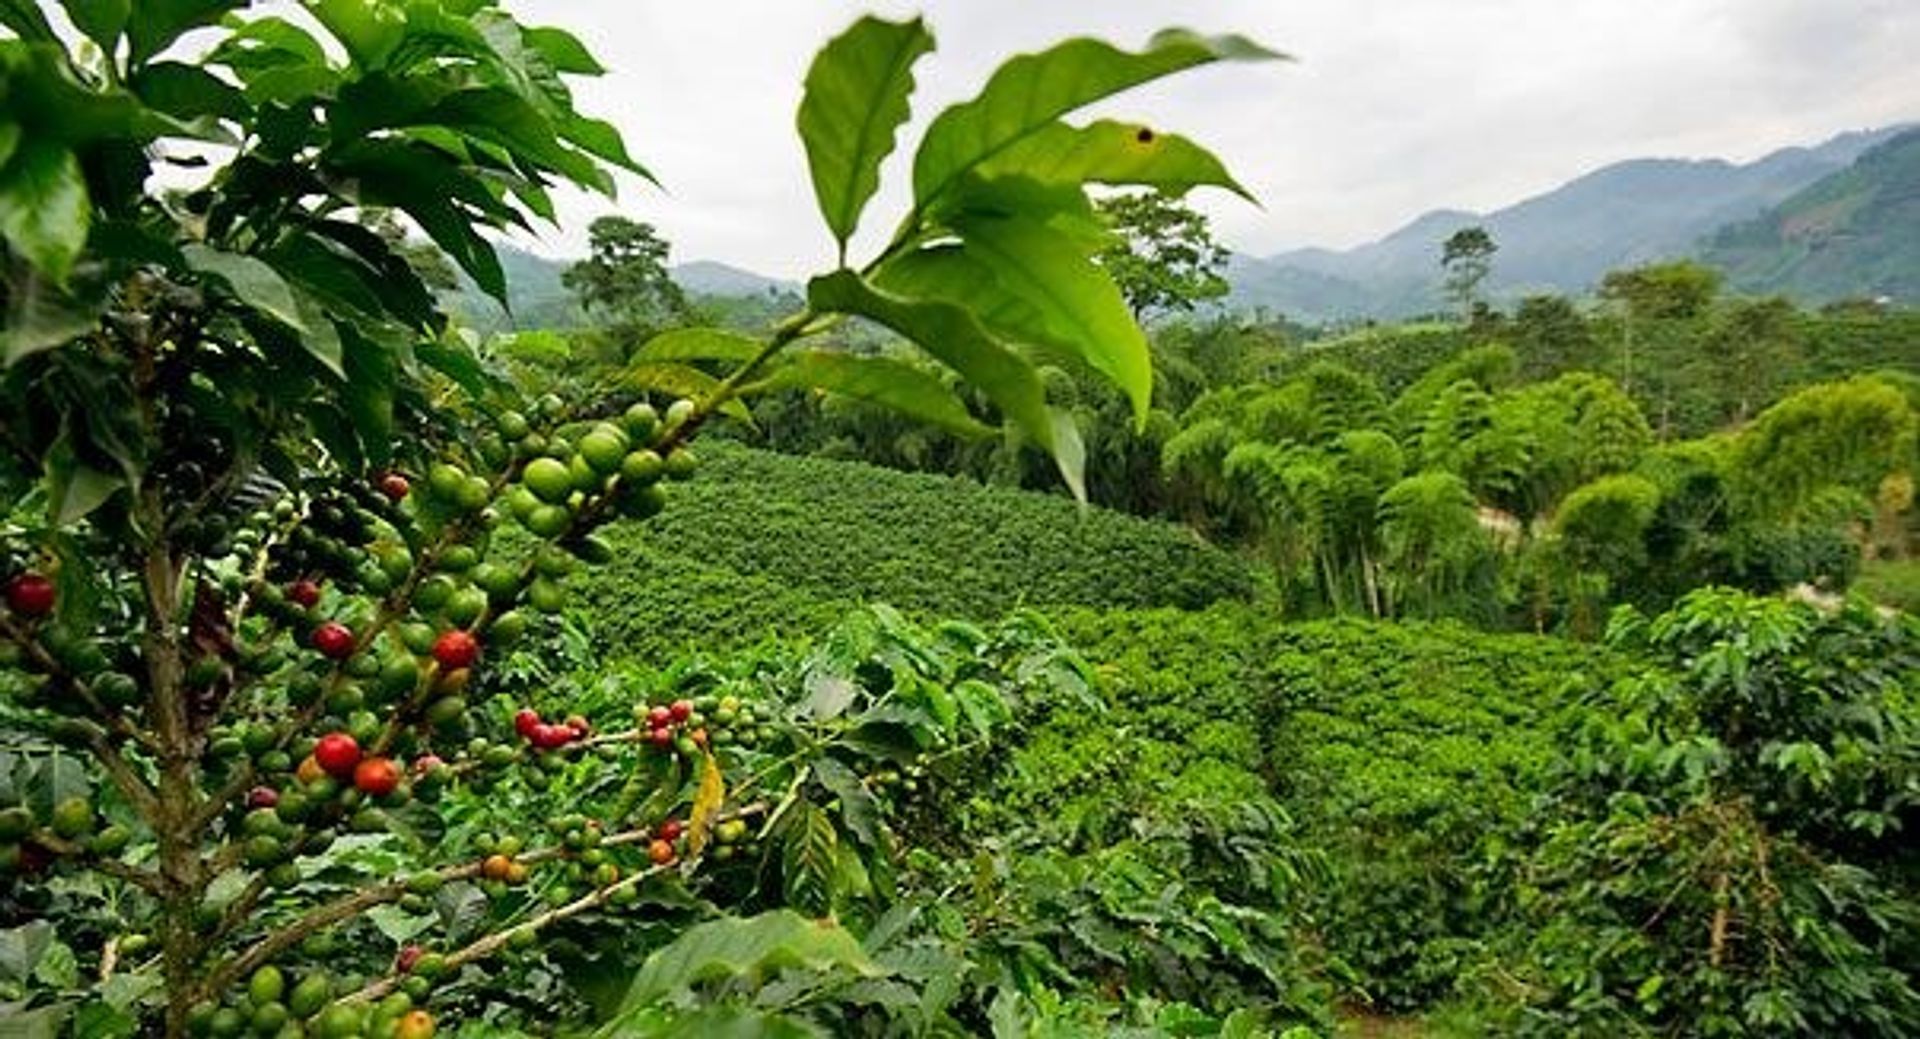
765 544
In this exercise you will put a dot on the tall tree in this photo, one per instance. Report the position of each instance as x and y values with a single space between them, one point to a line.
625 278
1466 258
1753 343
1662 291
1164 257
1671 291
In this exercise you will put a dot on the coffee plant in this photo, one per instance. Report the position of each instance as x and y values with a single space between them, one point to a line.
259 555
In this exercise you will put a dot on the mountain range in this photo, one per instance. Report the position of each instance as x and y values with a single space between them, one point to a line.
539 300
1833 220
1617 216
1853 233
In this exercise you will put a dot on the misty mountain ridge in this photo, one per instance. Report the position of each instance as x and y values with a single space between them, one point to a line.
1855 232
1841 218
1563 240
539 299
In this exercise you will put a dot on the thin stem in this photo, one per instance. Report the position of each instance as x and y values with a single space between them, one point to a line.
498 940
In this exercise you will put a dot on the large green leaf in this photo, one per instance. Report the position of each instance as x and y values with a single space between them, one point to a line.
563 51
40 316
1079 304
44 207
153 25
253 281
699 344
74 488
856 99
953 335
26 20
100 20
682 381
1031 91
501 117
188 92
427 185
369 29
1110 152
889 383
730 947
713 1021
371 381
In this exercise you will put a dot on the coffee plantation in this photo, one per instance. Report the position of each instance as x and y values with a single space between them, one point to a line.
365 675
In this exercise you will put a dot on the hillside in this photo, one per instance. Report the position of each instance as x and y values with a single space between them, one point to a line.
765 544
1563 240
1852 233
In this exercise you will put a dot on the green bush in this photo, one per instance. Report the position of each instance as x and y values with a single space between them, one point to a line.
770 544
1403 759
1729 852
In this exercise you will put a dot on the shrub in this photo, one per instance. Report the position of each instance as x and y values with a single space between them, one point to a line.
1727 852
780 544
1404 759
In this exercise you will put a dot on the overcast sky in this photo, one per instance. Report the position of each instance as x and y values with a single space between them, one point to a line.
1393 107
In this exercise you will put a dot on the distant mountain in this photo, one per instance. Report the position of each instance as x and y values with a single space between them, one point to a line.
540 300
1851 233
1564 240
708 278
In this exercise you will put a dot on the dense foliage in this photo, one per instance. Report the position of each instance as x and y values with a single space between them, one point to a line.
774 545
246 654
363 675
1728 852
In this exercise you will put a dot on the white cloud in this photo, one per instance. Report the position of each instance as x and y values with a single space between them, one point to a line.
1395 107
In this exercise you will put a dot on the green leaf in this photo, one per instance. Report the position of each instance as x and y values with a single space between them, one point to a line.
452 357
370 30
44 207
714 1021
400 926
953 335
40 316
502 117
808 860
188 92
371 379
1110 152
254 283
855 100
27 21
425 184
153 25
889 383
563 51
756 946
1079 306
1031 91
857 805
74 488
22 947
681 381
598 137
100 20
699 344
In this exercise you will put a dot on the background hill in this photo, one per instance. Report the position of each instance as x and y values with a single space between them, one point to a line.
539 300
764 544
1838 219
1852 233
1563 241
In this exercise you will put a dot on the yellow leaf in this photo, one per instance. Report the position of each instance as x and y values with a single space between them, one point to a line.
706 803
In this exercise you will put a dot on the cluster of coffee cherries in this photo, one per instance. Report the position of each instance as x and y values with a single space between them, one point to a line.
272 1004
544 736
